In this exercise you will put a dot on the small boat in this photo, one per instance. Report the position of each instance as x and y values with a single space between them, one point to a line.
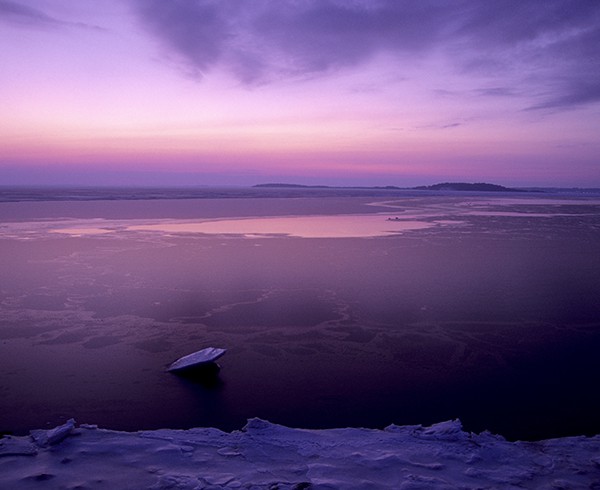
204 357
394 219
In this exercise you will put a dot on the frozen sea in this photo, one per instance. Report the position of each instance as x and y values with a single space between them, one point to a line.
338 307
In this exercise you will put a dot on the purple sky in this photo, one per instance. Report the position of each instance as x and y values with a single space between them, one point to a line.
368 92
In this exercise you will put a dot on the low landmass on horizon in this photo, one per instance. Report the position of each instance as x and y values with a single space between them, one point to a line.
464 186
445 186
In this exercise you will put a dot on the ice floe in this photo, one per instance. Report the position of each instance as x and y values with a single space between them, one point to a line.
196 359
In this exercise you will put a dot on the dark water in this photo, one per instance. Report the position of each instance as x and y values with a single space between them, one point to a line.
494 319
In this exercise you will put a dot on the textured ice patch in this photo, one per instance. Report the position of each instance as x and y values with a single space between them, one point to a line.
267 456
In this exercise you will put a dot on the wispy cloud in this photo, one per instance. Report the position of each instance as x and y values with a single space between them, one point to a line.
451 125
495 92
17 13
23 14
549 47
439 126
575 81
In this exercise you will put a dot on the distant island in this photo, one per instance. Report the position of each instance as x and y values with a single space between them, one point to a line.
277 184
464 186
446 186
301 186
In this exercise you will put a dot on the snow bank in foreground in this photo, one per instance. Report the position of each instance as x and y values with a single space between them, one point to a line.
267 456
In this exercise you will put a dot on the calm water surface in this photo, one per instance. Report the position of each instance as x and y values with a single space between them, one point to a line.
477 307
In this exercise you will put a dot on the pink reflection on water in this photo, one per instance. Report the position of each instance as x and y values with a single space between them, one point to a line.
345 226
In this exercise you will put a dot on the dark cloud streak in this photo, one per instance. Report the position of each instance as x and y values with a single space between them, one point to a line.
322 35
23 15
17 13
196 30
549 48
265 39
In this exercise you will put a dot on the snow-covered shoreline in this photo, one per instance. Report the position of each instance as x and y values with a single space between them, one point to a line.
267 456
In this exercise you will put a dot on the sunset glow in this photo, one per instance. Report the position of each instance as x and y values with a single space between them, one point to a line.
319 91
